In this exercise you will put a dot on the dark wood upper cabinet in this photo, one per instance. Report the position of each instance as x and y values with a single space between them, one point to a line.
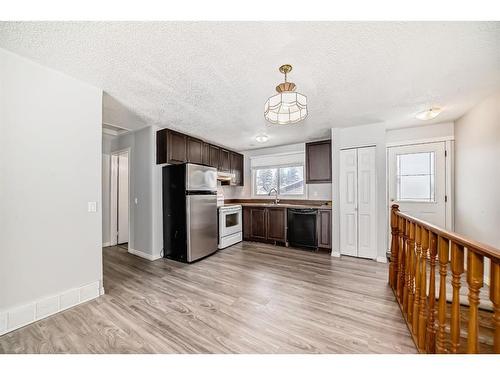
161 146
236 161
224 160
194 150
176 148
276 224
325 229
319 162
214 152
206 153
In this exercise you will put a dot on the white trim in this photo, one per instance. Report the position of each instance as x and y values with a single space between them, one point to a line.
420 141
106 244
381 259
116 126
144 255
361 145
335 254
109 132
20 316
277 154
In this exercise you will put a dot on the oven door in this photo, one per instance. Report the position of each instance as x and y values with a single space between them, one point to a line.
229 221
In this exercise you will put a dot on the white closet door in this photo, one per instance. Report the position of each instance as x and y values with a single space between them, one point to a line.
348 202
367 221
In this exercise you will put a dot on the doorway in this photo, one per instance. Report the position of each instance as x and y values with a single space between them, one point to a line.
358 206
119 207
417 181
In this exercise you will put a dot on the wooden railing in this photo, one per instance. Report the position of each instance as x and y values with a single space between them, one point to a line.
418 251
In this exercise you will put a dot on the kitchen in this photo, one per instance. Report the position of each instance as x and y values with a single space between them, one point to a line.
264 215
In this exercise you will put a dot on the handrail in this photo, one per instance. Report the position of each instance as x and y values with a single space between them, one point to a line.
420 251
484 249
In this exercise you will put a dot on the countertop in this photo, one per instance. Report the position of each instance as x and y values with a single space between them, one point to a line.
282 205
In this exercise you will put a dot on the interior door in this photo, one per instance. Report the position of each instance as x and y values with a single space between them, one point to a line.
417 181
367 208
348 182
123 198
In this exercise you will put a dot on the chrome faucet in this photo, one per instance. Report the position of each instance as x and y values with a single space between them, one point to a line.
276 200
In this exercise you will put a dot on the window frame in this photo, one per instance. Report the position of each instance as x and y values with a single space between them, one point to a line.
278 167
432 179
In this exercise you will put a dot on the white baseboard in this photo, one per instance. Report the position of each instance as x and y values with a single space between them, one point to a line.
381 259
19 316
106 244
335 254
144 255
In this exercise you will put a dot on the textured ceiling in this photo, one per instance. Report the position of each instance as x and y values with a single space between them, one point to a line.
211 79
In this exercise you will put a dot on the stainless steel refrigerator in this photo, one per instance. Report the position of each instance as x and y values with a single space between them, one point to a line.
189 211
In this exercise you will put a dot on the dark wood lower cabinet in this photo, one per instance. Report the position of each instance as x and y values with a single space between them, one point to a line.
276 224
325 229
258 224
264 224
269 224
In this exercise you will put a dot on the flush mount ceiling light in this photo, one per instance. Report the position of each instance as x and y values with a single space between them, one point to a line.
261 138
287 107
429 114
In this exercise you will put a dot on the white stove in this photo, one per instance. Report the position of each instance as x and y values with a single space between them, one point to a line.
230 225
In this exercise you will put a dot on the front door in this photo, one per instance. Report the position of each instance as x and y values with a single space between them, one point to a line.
417 181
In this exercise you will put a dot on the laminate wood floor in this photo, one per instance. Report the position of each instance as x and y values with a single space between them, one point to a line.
249 298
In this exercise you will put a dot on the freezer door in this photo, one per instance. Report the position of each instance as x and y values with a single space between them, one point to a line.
201 217
200 178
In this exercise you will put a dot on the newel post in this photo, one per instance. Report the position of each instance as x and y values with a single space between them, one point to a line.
393 266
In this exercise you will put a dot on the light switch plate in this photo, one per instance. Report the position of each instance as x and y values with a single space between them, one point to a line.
92 206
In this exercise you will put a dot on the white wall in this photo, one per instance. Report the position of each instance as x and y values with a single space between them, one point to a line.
106 188
477 172
272 156
50 167
414 134
145 235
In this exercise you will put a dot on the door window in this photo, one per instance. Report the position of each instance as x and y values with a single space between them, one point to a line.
415 177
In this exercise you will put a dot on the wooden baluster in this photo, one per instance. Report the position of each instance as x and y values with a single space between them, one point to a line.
401 265
393 267
443 249
495 298
406 281
411 271
431 313
418 268
457 268
475 281
422 319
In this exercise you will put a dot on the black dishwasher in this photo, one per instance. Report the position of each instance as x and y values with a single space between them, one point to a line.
302 227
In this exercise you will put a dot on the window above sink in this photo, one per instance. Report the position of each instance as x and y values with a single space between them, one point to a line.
287 180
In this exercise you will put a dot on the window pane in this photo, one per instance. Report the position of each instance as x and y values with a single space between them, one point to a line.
415 188
292 180
265 180
413 164
415 177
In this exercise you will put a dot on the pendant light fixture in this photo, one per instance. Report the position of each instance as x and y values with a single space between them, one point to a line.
288 106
